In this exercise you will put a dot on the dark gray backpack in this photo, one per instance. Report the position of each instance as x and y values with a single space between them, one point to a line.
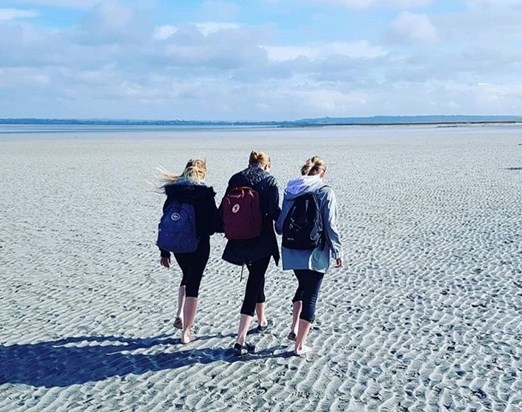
302 227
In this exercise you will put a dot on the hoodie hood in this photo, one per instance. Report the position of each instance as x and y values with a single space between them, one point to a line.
302 185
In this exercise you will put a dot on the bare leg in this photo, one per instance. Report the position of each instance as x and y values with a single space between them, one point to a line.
260 312
189 313
244 324
296 311
302 334
181 301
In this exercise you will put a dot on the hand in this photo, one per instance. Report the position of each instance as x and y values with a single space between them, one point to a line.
165 261
339 263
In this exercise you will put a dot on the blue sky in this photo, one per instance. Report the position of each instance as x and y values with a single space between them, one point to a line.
259 59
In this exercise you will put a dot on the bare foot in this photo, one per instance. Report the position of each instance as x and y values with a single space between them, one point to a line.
178 323
303 350
187 338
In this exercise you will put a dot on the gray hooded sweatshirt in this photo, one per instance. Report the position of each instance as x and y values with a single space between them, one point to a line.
317 259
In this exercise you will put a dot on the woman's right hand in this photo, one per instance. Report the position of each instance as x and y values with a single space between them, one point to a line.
165 261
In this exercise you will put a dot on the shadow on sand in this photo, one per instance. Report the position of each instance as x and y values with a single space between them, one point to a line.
77 360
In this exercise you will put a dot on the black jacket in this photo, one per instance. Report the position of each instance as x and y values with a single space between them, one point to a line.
240 252
201 197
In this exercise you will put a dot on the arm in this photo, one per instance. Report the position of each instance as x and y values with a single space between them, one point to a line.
329 216
216 220
282 216
165 254
273 200
220 209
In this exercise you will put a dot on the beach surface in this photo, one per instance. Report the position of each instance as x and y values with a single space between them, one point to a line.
426 314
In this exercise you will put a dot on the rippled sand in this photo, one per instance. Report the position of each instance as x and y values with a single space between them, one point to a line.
426 315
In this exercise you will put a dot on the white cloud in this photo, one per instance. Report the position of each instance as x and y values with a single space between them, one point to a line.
71 4
14 78
112 16
13 14
500 91
413 28
112 22
405 4
356 4
117 63
164 32
334 102
478 4
211 27
355 50
364 4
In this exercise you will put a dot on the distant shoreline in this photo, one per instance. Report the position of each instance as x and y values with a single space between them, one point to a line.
448 121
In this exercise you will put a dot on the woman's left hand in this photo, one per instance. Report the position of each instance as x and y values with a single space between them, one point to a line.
165 261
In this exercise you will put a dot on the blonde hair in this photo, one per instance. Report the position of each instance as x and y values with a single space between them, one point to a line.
195 171
260 159
313 166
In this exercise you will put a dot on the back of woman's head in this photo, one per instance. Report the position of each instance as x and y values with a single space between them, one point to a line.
259 159
313 166
195 171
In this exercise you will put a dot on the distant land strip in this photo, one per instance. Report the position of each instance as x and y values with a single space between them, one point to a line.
322 121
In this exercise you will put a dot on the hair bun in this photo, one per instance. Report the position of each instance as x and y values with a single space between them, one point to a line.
258 159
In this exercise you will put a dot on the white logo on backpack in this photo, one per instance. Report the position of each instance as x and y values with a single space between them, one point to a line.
235 208
175 216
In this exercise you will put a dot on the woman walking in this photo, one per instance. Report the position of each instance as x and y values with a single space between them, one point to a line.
191 206
250 207
310 237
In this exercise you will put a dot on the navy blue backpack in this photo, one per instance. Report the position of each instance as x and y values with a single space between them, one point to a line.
177 228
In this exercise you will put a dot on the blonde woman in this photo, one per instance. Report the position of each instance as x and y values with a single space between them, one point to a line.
190 188
254 252
308 203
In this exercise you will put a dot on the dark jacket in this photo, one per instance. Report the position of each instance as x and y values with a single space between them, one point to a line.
240 252
201 197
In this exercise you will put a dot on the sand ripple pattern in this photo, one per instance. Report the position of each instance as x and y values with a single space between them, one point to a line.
425 316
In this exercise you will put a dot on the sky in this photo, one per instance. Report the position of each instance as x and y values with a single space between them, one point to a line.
259 59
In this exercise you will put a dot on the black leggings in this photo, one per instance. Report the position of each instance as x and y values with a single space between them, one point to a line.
307 292
255 287
193 265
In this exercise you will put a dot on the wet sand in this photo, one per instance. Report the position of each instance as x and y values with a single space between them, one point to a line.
426 315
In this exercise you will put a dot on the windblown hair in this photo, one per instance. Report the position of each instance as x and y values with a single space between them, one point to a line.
195 171
313 166
260 159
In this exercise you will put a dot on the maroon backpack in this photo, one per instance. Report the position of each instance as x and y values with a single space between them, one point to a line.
242 217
